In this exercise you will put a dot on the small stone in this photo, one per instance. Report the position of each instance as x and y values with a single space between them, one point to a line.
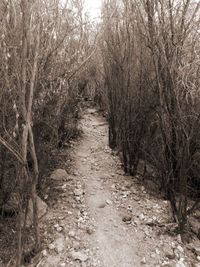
101 206
62 264
165 264
64 186
198 258
79 256
143 261
78 192
180 248
179 238
72 234
69 212
51 246
180 263
129 207
174 245
58 175
44 253
59 244
125 194
109 202
149 221
80 220
170 254
128 184
113 186
90 230
157 251
59 229
141 217
123 188
126 218
146 232
76 245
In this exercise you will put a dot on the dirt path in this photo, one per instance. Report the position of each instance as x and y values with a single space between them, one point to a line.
104 218
116 247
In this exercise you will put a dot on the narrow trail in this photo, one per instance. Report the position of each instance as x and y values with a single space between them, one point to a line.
104 218
116 247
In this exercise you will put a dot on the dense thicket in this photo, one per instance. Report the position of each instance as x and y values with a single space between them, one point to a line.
150 71
44 51
145 74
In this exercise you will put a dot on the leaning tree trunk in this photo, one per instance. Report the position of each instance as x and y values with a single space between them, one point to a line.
26 97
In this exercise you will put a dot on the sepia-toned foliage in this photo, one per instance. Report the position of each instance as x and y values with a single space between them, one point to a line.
44 47
140 63
150 52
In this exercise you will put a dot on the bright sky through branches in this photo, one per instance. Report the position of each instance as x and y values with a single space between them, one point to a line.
93 7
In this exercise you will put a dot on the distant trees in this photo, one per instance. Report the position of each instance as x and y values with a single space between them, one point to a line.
43 48
151 53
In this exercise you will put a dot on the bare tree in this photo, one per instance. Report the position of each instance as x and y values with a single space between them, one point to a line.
148 48
44 48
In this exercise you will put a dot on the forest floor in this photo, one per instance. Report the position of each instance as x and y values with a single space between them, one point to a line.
98 216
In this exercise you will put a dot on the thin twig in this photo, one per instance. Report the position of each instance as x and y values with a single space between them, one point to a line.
12 150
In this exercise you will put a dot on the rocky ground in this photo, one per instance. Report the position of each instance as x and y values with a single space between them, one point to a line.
103 218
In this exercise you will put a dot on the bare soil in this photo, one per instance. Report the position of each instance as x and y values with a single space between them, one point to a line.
102 217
